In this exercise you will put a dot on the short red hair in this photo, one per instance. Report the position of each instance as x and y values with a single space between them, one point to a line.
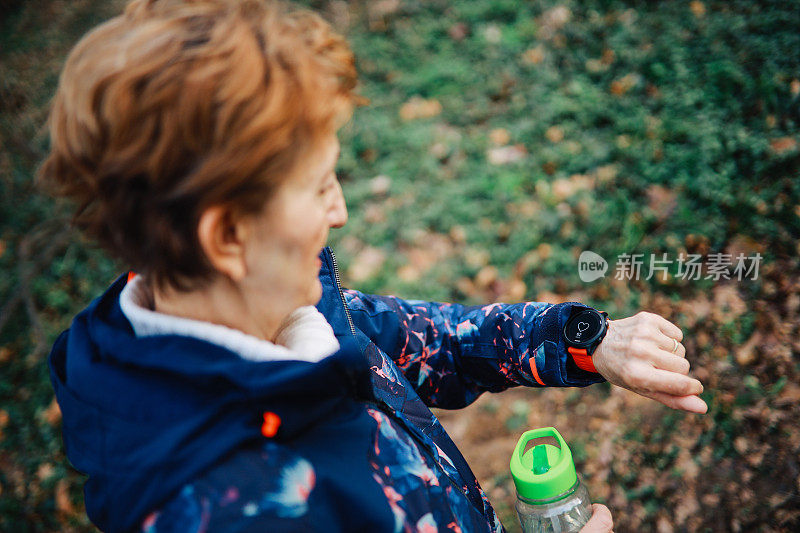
175 106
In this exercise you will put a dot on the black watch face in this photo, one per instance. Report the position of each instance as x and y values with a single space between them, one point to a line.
584 328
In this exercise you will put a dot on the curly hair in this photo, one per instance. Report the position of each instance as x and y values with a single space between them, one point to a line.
178 105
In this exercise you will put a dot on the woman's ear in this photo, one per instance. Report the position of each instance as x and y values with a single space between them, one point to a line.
222 236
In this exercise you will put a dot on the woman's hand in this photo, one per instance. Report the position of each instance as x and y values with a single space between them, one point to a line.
637 354
600 522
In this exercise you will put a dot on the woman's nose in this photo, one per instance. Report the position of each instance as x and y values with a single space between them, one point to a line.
337 214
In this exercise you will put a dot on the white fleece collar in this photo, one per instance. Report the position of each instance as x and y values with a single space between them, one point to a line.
305 335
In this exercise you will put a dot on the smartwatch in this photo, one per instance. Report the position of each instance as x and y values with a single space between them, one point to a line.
583 333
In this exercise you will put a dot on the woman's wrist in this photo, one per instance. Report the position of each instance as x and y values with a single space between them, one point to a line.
601 353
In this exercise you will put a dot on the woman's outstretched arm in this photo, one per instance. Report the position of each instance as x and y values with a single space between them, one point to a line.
452 353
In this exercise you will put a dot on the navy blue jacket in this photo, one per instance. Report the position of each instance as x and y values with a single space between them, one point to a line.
178 434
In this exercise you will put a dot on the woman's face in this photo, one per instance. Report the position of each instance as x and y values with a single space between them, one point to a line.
288 235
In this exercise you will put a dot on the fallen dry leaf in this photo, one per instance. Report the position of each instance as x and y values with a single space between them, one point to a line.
534 56
381 8
63 502
783 144
350 245
476 257
624 84
742 244
653 124
3 423
502 155
697 8
664 526
378 11
45 471
458 31
567 187
524 209
551 297
661 201
374 213
686 507
741 444
512 290
697 244
728 303
544 250
687 463
458 234
366 264
554 134
379 185
429 249
790 394
492 33
52 415
595 65
606 173
418 107
466 286
486 276
439 150
553 20
409 273
746 353
438 244
498 136
695 310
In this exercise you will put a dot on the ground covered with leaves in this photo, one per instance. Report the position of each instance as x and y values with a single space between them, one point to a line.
503 139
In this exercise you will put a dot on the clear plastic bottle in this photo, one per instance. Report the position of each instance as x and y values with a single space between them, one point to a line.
550 496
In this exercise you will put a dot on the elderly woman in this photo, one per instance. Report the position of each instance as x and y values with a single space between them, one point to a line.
232 383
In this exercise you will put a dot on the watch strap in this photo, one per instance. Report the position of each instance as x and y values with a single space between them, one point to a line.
582 359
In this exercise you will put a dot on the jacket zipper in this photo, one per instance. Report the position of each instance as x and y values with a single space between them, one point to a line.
341 294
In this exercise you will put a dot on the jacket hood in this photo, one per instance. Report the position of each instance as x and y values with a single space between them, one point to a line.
144 416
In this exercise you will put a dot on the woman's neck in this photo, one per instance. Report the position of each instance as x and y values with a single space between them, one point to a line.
219 302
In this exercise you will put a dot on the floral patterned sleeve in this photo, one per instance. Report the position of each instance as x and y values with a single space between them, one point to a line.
452 353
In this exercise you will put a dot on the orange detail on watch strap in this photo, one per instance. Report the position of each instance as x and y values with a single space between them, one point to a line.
582 359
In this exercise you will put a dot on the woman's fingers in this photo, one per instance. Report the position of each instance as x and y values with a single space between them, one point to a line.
637 354
600 522
668 344
665 381
671 362
693 404
668 328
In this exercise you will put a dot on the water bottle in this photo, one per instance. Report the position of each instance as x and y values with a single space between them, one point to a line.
550 496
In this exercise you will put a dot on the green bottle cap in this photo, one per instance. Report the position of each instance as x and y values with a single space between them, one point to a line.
545 471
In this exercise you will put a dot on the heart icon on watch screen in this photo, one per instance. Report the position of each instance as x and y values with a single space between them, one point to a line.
582 326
